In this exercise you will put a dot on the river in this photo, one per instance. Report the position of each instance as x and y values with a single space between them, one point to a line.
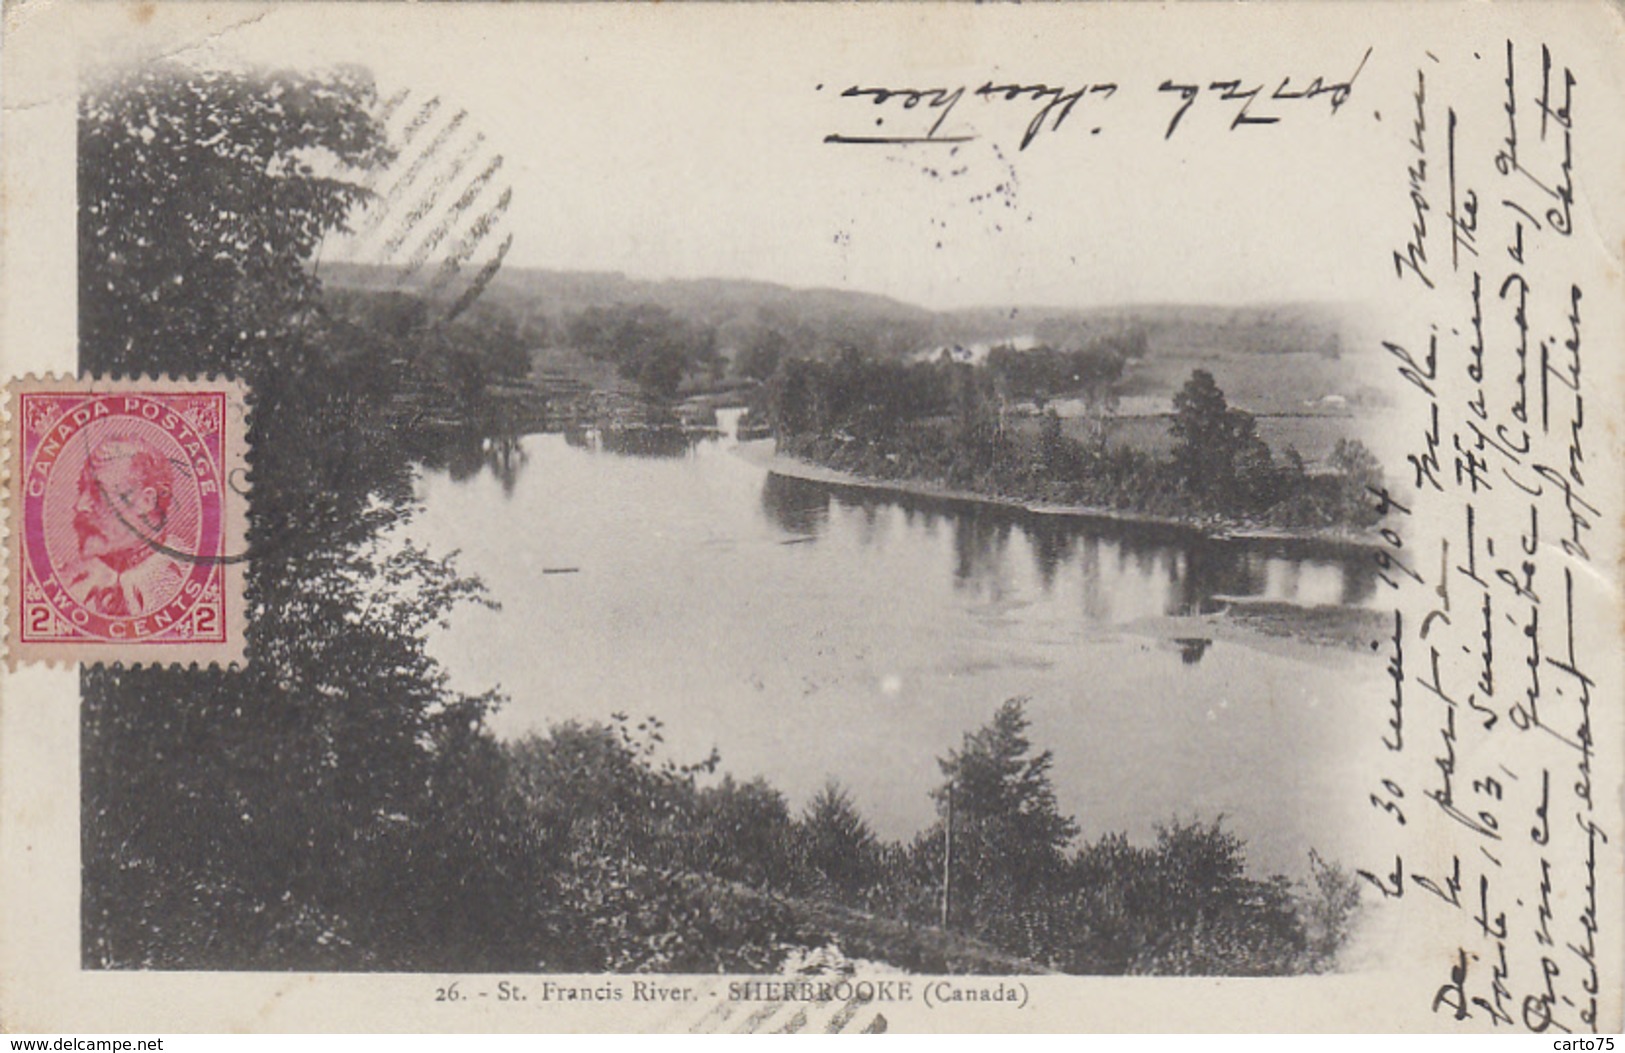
809 631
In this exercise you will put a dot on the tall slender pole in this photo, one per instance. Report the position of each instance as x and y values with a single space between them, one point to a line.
948 860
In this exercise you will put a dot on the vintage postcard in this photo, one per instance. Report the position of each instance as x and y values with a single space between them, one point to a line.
828 518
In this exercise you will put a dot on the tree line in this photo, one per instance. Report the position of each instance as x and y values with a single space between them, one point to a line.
949 422
612 858
647 344
447 366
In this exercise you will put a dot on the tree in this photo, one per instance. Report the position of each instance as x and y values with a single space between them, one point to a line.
1058 458
1042 373
1207 917
796 398
632 867
1201 429
1217 450
1008 831
646 343
1095 373
598 784
1186 906
201 205
1359 476
742 832
1330 909
837 847
266 815
763 354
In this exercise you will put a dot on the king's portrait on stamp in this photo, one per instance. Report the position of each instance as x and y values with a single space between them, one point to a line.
127 494
121 517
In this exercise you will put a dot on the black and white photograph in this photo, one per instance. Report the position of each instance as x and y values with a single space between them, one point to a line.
840 519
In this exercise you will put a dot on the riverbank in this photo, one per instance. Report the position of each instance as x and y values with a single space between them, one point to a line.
763 453
1285 629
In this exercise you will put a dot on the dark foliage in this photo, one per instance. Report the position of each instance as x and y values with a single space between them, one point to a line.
200 206
642 868
647 344
246 817
837 855
1183 906
1008 831
760 358
444 367
1042 373
854 392
949 424
1217 451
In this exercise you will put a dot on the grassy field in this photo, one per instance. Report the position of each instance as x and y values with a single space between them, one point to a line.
1314 436
1294 382
1306 385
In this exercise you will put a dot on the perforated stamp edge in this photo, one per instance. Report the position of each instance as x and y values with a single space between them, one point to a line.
228 651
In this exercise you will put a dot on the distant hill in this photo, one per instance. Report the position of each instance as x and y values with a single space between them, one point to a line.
735 307
823 318
1180 329
569 291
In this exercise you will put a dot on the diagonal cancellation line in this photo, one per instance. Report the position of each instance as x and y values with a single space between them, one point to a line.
391 104
461 205
429 200
406 137
843 1016
805 1011
795 1025
753 1023
469 242
385 113
419 119
413 170
713 1019
806 1016
481 280
427 154
413 126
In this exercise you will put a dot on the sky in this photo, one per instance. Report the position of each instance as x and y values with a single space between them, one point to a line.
688 141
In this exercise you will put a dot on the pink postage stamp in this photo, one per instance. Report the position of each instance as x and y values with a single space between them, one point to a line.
128 514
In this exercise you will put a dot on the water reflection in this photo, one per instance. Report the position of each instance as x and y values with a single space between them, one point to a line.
1112 571
1119 571
637 441
1192 648
1053 545
981 542
796 506
464 452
